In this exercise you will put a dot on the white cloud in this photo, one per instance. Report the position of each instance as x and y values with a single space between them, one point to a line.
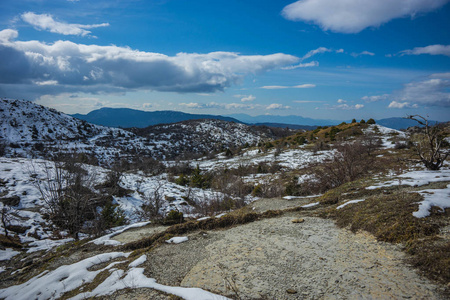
248 98
8 35
46 82
227 106
362 53
395 104
341 101
375 98
93 68
304 86
277 106
302 65
317 51
345 106
279 87
431 91
234 106
309 55
441 75
431 50
46 22
353 16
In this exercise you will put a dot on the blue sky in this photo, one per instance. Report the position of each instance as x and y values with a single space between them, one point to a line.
326 59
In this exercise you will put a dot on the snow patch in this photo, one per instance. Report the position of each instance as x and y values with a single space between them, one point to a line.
7 254
350 202
177 240
433 197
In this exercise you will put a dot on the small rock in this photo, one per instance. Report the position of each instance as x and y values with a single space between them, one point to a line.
298 220
291 291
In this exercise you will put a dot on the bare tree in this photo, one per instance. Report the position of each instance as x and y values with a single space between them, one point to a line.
429 145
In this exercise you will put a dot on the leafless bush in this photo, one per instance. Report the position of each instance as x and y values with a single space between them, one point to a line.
229 183
350 162
153 202
213 204
269 188
67 190
179 168
371 142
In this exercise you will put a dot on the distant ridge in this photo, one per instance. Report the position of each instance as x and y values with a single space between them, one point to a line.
400 123
289 120
127 118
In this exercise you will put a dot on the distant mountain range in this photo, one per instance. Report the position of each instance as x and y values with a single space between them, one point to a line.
127 118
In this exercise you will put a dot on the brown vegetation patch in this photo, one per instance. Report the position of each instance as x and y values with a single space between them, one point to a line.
9 241
388 217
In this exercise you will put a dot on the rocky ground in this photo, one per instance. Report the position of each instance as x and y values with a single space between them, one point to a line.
278 259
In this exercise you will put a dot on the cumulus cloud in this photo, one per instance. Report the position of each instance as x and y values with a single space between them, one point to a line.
341 101
353 16
93 68
279 87
433 91
46 22
395 104
431 50
248 98
430 91
8 35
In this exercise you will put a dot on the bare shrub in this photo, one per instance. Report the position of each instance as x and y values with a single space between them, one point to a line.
350 162
371 142
269 188
213 204
153 203
67 190
429 144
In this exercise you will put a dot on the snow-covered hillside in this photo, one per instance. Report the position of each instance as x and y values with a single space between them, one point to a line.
31 130
202 136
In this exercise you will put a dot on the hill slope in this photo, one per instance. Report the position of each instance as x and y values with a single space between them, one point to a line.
32 130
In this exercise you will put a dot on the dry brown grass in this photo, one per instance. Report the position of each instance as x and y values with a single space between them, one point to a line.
388 217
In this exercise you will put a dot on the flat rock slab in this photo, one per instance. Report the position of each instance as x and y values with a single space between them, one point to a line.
276 259
136 234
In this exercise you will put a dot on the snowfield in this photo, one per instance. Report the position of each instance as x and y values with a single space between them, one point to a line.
19 177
